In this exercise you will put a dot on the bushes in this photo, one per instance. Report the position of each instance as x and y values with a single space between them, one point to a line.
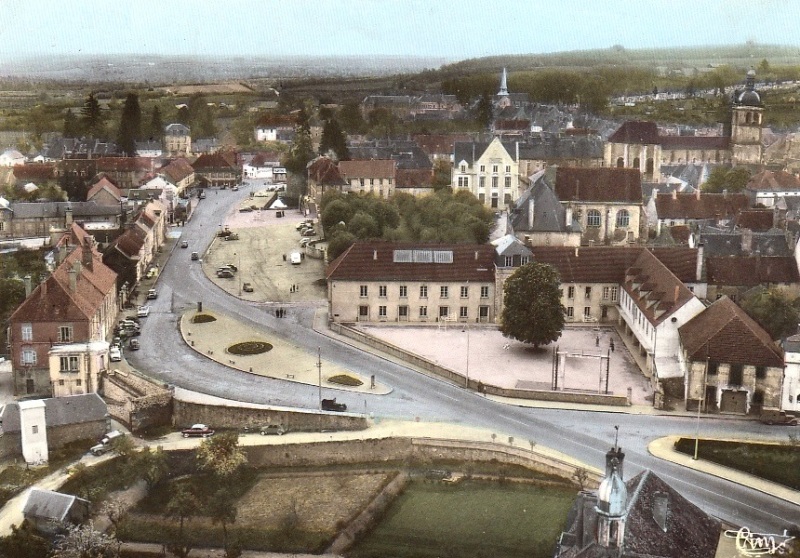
345 380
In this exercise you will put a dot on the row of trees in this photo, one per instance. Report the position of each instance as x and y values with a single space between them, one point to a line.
442 217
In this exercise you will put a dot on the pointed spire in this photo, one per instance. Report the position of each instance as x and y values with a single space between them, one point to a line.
503 84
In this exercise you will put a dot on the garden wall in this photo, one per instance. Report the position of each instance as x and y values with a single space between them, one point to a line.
459 379
136 401
230 416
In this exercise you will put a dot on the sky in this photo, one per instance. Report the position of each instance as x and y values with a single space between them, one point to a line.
450 29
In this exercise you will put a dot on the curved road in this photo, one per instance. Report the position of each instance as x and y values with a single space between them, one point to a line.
584 435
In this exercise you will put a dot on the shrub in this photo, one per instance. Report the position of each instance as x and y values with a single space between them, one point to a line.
250 348
203 319
345 380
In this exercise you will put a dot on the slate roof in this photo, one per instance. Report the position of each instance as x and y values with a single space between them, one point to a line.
436 144
695 142
367 169
549 214
31 210
655 290
471 151
407 154
49 505
124 164
607 264
556 146
374 261
772 181
723 332
265 158
598 185
750 271
60 411
177 129
636 131
414 178
54 300
769 243
698 206
178 170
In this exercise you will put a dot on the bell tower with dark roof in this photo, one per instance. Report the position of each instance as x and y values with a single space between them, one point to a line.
746 124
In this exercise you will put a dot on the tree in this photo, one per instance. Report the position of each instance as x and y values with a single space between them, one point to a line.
130 125
152 465
23 542
83 541
156 129
221 455
222 510
774 311
721 179
442 174
333 139
92 117
351 119
71 128
182 505
483 110
301 151
532 311
339 242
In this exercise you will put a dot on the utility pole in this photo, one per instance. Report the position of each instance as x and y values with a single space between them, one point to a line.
319 370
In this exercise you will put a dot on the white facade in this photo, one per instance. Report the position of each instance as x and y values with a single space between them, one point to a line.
493 177
33 431
790 393
75 367
11 158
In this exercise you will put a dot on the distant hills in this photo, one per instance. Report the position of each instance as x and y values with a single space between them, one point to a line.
188 69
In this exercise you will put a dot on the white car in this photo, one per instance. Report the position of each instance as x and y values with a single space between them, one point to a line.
115 354
295 258
143 311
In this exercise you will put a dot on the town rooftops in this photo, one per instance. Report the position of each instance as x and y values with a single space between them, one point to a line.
723 332
751 271
773 181
599 185
697 205
655 290
367 169
637 132
60 411
177 170
402 261
471 151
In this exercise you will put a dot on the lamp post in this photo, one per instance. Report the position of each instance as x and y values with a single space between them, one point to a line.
466 328
319 370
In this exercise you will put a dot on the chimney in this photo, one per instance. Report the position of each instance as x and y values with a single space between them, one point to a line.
43 288
699 267
568 218
476 255
27 281
674 194
375 255
531 207
697 194
661 509
73 277
747 240
86 256
677 290
725 193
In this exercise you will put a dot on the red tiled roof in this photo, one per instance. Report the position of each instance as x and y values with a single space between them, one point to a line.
275 121
702 206
365 261
768 180
264 157
323 170
124 164
599 185
215 161
756 219
374 168
130 242
681 233
35 171
104 184
178 170
749 271
520 125
723 332
636 131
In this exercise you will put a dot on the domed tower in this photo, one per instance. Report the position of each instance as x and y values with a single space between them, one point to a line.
612 502
746 124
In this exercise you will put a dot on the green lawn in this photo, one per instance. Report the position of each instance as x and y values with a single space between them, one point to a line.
472 519
771 462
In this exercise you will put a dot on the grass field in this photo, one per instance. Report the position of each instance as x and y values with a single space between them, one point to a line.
769 461
472 519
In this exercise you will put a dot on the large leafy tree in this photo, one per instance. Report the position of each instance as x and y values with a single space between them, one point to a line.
774 310
222 509
83 541
333 139
183 506
532 311
302 150
722 178
92 117
130 125
221 455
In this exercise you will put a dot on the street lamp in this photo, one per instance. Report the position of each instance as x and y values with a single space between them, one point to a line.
466 328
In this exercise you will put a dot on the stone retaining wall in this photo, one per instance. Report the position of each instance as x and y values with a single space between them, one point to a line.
136 401
460 379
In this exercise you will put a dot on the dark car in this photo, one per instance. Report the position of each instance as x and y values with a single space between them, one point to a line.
247 287
332 405
276 429
225 273
133 345
195 256
197 431
769 416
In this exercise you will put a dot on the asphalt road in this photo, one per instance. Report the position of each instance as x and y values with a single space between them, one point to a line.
584 435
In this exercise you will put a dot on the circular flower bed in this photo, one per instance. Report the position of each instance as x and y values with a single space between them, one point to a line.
250 348
345 380
203 319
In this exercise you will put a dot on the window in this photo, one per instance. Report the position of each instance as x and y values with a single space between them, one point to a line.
761 372
382 311
27 332
758 397
713 368
570 312
361 182
35 429
508 169
593 218
571 292
587 292
483 313
28 356
587 311
463 168
509 261
423 311
372 182
78 382
444 311
464 292
507 182
423 291
68 363
443 291
494 168
484 292
382 291
483 168
463 312
610 293
494 182
737 371
482 182
363 311
363 291
65 334
61 382
623 218
403 291
402 311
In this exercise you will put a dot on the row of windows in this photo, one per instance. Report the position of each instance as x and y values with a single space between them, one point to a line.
495 168
64 333
444 291
495 182
403 311
594 218
735 372
68 364
609 293
372 182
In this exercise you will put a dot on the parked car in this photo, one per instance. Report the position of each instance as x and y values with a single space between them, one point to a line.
152 272
295 258
133 345
236 188
247 287
309 232
277 429
332 405
152 294
231 267
143 311
104 446
225 273
304 241
197 431
233 236
195 256
115 354
774 416
184 243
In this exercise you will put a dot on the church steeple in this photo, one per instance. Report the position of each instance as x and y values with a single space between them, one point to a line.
612 501
503 85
